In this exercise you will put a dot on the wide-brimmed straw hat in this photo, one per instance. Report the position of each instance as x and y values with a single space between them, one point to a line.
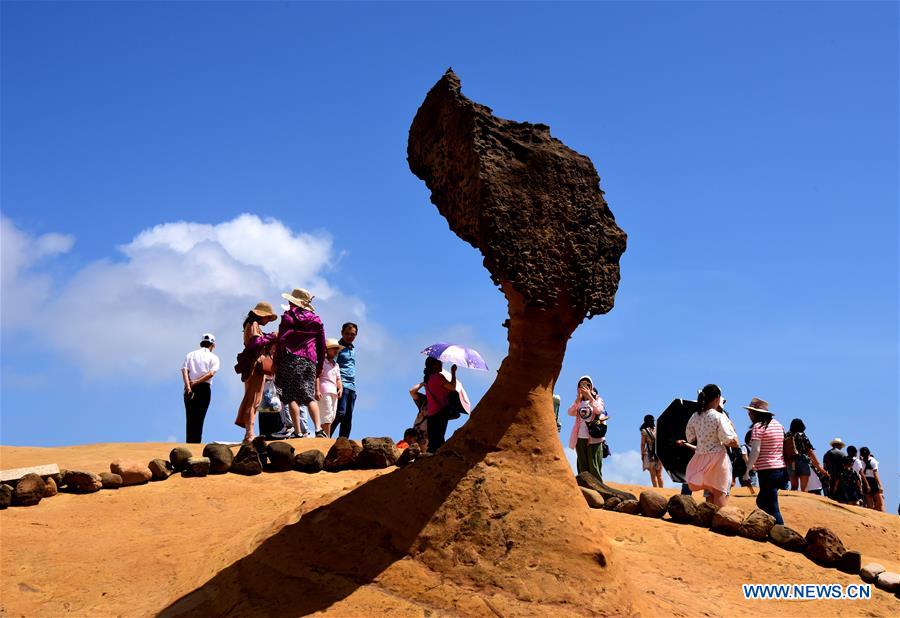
263 310
300 298
837 442
759 405
333 343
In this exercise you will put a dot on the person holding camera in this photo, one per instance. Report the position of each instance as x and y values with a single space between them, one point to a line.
588 432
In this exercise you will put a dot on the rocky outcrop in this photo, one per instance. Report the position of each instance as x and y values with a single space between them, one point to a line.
727 520
280 457
850 562
108 480
378 453
870 572
179 457
631 507
888 581
757 525
196 466
246 461
78 481
409 455
653 504
132 472
705 513
160 469
682 509
29 490
220 458
787 538
823 546
50 488
343 455
6 493
593 499
586 479
311 461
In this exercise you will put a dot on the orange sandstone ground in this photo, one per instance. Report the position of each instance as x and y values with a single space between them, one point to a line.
136 550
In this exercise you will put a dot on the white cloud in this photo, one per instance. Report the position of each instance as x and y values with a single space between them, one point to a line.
22 289
624 467
139 315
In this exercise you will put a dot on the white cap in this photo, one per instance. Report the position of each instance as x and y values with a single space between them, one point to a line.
208 337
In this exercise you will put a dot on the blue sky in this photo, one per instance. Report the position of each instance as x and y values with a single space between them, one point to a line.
749 150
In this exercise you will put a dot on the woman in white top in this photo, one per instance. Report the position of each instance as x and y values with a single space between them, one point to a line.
873 487
710 469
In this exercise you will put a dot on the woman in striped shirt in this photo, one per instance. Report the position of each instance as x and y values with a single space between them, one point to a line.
767 456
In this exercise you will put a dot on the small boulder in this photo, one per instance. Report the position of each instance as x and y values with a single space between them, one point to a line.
586 479
593 499
29 490
110 480
132 472
259 443
220 458
179 457
378 453
787 538
160 469
632 507
196 466
653 504
611 503
6 493
343 455
705 513
280 456
888 581
82 482
50 488
870 572
850 562
682 509
409 455
57 478
311 461
757 525
727 520
246 461
823 546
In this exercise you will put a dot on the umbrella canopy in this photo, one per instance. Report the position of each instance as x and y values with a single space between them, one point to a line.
457 354
670 427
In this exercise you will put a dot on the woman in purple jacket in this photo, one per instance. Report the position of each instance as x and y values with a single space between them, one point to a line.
299 356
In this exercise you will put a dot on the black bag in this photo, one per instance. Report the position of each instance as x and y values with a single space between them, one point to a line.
738 465
596 429
605 450
454 408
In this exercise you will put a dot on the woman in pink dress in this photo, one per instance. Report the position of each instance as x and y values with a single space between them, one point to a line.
711 431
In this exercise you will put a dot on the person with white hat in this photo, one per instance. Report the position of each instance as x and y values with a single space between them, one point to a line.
330 387
833 461
299 358
197 371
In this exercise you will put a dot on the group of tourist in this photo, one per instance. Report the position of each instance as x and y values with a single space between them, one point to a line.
313 372
307 369
778 459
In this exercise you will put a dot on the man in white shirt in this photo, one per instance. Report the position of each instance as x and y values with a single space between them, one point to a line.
197 372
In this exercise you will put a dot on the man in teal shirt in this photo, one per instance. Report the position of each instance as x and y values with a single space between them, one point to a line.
346 360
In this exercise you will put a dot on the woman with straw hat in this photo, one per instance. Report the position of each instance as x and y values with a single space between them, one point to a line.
299 357
253 363
767 456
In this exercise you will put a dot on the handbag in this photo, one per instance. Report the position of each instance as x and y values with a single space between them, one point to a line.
265 364
596 429
605 447
454 408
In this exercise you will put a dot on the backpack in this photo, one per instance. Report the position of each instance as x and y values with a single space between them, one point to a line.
738 465
790 448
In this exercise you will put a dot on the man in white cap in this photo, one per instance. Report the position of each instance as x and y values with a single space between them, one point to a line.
833 461
197 372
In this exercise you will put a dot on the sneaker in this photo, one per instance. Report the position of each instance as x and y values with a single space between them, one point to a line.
285 432
321 434
297 435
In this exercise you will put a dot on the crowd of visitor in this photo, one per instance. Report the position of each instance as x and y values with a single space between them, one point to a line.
307 371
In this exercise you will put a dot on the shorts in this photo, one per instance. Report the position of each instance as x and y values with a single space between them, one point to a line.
327 407
801 467
872 486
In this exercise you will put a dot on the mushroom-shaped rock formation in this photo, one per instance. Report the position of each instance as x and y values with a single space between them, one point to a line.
493 523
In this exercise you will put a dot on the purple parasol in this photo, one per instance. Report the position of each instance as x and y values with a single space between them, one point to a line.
457 354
